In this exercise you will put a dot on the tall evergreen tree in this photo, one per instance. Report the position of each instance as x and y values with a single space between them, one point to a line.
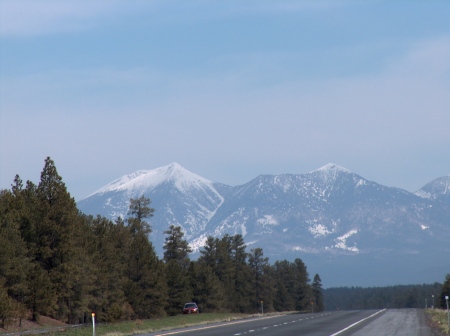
291 282
240 299
209 253
175 247
262 284
14 262
178 287
445 292
139 210
42 296
59 245
176 256
109 243
302 289
317 294
7 306
207 289
146 289
285 298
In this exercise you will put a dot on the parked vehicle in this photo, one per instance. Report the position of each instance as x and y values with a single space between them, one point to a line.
191 308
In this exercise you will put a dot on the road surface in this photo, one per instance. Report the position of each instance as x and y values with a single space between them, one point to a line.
409 322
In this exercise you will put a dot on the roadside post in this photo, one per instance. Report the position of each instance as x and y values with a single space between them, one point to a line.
448 314
262 307
93 324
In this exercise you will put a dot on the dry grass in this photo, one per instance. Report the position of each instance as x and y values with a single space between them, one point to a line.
438 320
44 323
131 327
122 328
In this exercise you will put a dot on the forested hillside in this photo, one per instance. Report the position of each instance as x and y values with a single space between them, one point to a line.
405 296
58 262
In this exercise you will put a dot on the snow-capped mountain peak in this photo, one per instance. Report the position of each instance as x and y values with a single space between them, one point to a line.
436 189
339 221
331 167
183 178
148 179
330 172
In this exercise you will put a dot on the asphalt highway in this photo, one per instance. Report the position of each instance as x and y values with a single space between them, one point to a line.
341 323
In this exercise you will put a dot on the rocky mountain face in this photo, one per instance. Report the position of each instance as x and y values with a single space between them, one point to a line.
351 231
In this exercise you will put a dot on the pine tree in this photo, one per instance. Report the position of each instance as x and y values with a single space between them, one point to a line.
261 279
42 296
139 210
283 301
445 292
240 292
7 306
178 284
291 282
176 256
209 254
176 248
14 262
207 289
317 294
59 245
301 287
108 248
145 289
285 298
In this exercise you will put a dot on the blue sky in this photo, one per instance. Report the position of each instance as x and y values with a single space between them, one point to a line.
228 89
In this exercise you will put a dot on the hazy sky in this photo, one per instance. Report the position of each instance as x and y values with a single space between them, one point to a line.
228 89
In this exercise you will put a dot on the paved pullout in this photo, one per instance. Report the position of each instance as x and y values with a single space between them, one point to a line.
398 322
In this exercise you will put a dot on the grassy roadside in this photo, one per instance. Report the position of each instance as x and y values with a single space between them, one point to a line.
438 320
148 326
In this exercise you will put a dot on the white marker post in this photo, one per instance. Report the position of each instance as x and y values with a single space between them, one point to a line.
262 307
93 324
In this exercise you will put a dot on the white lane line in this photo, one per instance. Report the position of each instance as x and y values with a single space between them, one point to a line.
351 326
220 324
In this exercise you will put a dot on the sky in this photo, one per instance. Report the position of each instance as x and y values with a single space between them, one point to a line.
228 89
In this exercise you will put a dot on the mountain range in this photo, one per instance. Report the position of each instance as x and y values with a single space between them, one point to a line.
352 231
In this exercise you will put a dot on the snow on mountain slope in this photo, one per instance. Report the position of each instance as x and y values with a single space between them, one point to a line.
436 189
329 216
179 197
142 180
314 212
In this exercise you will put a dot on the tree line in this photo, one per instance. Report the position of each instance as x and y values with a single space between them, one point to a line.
402 296
58 262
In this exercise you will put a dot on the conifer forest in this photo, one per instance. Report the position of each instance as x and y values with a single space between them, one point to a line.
57 262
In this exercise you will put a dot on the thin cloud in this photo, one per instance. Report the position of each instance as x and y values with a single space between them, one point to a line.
31 18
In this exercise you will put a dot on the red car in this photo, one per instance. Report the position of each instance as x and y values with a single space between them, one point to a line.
190 308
